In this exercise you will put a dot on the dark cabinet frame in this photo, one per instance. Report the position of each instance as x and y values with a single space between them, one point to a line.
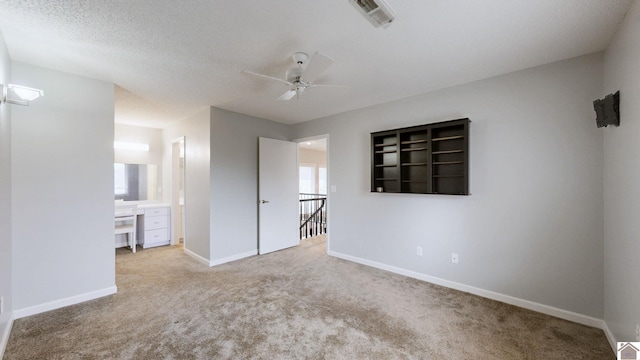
424 159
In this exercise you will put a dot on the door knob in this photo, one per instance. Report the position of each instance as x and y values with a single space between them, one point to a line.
265 201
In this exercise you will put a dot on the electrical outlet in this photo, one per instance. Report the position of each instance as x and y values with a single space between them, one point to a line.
454 258
638 332
419 251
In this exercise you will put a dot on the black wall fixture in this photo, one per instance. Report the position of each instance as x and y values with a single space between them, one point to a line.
608 110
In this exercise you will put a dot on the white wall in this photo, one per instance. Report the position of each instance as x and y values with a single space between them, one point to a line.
195 129
315 158
621 182
531 229
5 200
62 181
312 156
234 180
221 190
141 135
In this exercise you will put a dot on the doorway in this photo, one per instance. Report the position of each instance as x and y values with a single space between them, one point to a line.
178 201
313 186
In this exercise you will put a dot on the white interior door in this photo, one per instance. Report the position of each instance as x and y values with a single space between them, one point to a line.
278 195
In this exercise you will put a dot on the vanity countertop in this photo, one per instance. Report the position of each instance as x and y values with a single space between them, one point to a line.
153 205
143 204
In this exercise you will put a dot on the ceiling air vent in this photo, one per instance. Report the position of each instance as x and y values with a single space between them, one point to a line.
376 11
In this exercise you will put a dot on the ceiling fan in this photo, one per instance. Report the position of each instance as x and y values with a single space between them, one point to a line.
310 68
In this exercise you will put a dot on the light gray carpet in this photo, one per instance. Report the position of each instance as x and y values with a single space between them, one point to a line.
293 304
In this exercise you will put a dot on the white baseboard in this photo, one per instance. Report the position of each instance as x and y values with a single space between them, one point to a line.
233 258
610 337
4 338
72 300
530 305
220 261
199 258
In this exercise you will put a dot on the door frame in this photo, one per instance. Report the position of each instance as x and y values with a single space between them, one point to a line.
329 185
175 191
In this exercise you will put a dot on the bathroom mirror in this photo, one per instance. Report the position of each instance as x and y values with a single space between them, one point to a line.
135 182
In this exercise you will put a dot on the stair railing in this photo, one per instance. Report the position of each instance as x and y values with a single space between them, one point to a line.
313 215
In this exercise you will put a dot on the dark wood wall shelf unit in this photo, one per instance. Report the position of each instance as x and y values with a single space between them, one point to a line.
424 159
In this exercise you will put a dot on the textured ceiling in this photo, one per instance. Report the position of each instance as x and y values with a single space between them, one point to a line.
170 59
318 145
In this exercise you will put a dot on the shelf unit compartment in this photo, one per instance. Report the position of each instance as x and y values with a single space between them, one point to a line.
424 159
447 171
449 185
414 160
388 183
385 172
449 158
415 179
414 144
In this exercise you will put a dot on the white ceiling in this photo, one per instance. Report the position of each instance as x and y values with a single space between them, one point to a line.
317 145
170 59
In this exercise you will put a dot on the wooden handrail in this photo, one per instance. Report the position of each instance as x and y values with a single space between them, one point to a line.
314 214
303 200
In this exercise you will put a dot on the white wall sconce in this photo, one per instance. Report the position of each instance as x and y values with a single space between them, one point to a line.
121 145
19 95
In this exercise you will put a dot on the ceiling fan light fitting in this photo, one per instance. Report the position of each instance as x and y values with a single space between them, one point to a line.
300 58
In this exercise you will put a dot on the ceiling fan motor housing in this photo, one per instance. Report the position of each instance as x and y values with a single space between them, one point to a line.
301 60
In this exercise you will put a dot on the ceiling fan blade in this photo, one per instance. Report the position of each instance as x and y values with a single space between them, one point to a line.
327 85
266 77
287 95
317 65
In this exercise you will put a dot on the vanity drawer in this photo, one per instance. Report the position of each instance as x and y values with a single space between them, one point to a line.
154 236
156 211
154 226
155 222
